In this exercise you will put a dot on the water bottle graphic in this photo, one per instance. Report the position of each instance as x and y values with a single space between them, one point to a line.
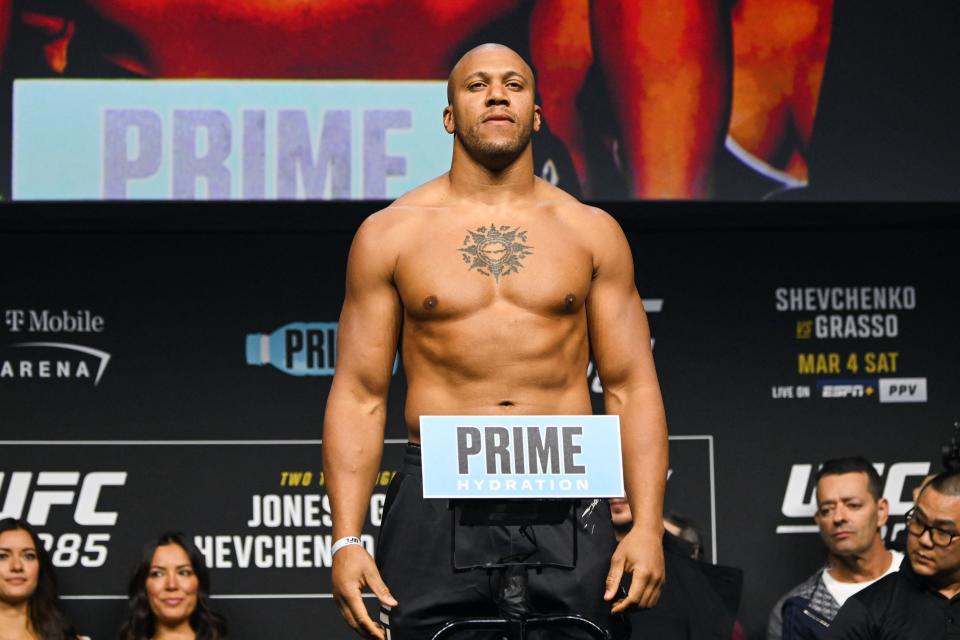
297 348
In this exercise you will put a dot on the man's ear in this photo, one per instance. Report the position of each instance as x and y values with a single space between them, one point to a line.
537 116
883 512
448 122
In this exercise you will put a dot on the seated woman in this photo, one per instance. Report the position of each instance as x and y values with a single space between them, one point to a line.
170 594
29 605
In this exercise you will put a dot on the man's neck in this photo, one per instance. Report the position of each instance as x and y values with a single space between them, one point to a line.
947 585
472 181
950 591
870 565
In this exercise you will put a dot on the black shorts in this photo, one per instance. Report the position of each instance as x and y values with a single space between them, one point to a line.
414 557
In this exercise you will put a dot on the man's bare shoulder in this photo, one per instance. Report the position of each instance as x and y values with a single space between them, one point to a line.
435 193
592 224
382 236
405 212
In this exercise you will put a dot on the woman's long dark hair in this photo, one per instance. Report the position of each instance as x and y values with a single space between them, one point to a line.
141 623
46 617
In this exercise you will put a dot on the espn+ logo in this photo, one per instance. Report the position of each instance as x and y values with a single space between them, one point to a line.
888 390
72 492
800 499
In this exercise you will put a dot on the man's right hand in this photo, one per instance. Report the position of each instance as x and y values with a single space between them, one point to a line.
354 569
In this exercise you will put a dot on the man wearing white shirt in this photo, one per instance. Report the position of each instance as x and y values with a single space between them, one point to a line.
850 515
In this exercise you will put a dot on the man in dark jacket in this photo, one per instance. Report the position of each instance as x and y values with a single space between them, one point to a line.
850 514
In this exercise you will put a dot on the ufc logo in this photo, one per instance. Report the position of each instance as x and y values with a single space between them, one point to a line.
800 501
65 489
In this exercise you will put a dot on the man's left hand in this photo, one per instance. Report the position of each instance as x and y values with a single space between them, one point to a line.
639 554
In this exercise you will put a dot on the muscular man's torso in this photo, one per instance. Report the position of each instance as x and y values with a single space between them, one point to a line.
475 344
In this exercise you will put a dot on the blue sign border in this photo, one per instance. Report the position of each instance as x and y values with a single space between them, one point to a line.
599 453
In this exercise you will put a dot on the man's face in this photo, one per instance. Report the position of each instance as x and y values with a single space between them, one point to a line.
928 560
492 110
848 516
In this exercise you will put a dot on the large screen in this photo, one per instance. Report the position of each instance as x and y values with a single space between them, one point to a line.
342 99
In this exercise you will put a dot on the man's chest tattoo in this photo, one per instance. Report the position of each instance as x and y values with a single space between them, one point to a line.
495 251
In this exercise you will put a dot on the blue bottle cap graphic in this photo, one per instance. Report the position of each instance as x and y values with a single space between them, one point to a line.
258 348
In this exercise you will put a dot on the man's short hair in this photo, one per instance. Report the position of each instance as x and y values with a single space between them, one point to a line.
946 483
853 464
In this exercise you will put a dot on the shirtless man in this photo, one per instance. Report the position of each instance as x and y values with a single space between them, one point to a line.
488 329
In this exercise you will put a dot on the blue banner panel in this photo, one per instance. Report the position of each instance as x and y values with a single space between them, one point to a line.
521 456
223 140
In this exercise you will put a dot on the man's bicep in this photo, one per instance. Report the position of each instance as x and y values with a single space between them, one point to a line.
371 317
619 334
367 340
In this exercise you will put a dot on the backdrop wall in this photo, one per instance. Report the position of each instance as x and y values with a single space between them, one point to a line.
131 401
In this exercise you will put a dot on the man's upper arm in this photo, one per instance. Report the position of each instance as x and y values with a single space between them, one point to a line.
775 621
371 317
619 334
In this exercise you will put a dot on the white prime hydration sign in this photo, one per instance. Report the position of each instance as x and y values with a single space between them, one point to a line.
225 139
521 456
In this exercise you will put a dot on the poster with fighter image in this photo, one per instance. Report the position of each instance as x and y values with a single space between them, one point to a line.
670 99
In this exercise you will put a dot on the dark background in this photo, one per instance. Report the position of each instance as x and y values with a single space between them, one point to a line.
181 285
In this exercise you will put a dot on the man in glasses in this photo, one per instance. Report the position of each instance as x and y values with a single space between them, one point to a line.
850 514
922 600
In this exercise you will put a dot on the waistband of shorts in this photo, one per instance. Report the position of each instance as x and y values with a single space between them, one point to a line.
411 460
